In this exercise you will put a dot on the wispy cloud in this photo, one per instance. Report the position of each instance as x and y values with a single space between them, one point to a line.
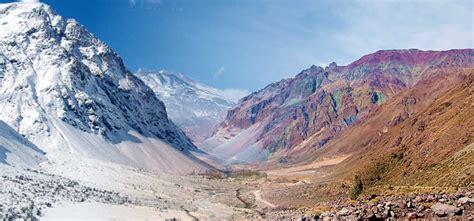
433 25
29 1
345 31
133 3
219 72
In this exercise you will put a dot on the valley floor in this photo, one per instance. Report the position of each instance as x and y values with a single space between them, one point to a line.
83 188
88 189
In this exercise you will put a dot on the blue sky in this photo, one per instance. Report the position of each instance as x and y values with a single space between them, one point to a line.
247 44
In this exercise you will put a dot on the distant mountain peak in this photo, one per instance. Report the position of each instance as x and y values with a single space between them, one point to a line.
195 107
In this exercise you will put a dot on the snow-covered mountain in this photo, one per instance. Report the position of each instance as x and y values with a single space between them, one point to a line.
17 151
68 92
195 107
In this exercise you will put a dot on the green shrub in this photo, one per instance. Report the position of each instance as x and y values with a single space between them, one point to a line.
357 188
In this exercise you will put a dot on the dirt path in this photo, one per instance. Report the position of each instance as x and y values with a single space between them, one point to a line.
259 201
237 195
262 202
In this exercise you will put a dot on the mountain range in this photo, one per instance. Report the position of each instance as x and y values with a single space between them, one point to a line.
83 137
68 92
288 118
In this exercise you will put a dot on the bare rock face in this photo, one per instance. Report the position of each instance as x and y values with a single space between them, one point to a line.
318 103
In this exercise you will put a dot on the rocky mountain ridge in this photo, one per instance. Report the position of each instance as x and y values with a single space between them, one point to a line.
275 122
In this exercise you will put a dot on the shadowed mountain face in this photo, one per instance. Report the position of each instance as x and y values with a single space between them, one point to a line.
278 121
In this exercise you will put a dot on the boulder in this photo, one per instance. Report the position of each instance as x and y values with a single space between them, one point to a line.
326 214
465 200
419 199
343 212
441 210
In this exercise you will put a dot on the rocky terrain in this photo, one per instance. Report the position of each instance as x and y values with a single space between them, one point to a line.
276 122
458 205
424 136
70 188
413 155
405 168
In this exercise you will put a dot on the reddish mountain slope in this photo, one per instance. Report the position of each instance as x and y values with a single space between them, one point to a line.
424 136
289 118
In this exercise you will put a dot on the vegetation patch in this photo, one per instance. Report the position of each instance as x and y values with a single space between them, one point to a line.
236 174
357 188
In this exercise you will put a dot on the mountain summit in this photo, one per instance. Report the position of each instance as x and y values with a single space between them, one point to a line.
68 92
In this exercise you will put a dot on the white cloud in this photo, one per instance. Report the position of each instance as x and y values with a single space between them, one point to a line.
343 31
234 94
427 25
219 72
29 1
133 2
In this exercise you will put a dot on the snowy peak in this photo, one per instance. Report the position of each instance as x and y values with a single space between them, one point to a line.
168 83
195 107
55 75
